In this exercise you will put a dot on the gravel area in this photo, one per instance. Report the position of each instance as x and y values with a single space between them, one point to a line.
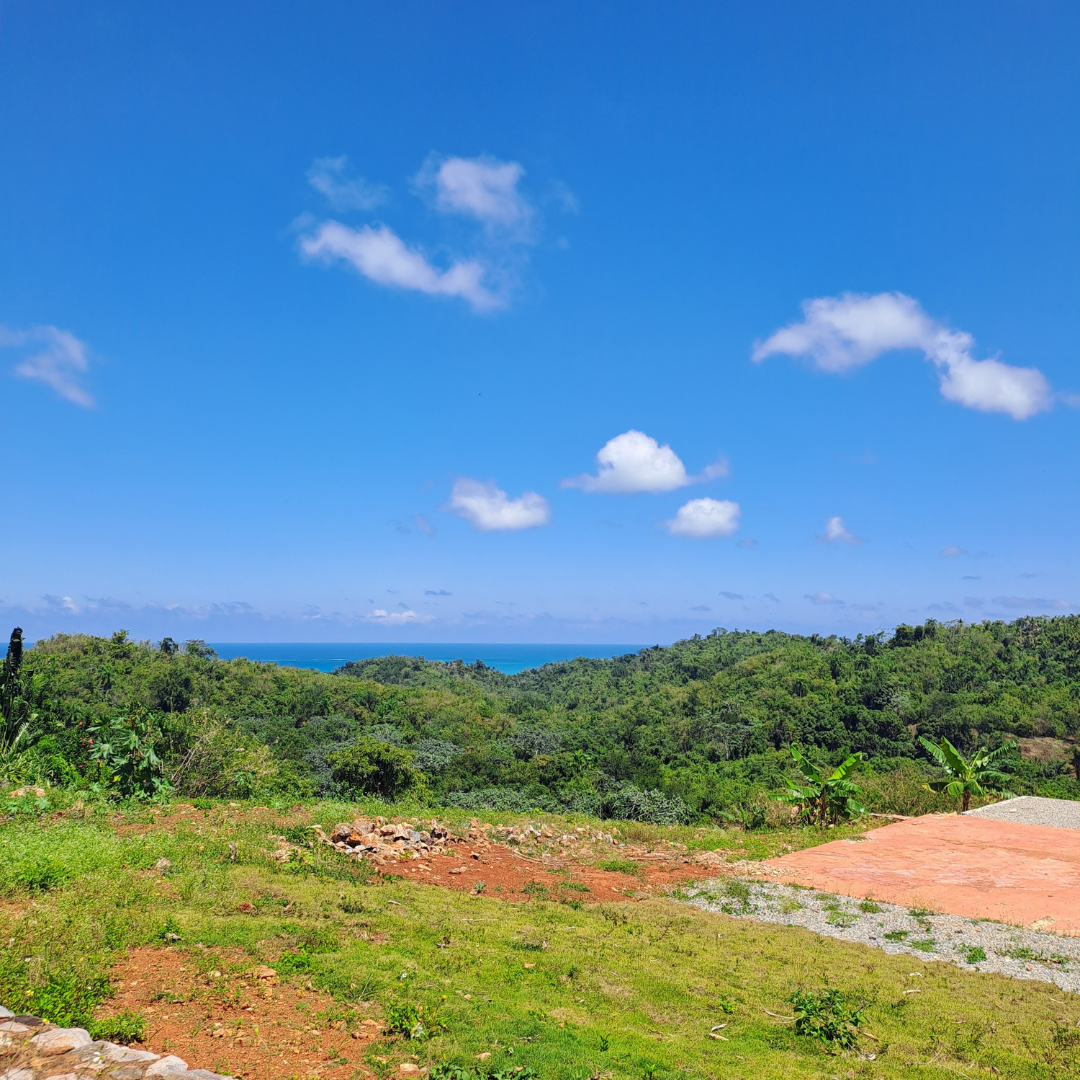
973 944
1032 810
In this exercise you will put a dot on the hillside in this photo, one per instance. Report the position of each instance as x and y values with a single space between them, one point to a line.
705 724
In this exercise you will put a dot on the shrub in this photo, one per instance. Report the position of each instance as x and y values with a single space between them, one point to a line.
370 767
125 1027
824 1015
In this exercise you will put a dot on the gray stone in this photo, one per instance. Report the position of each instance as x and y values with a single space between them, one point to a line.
168 1066
61 1040
1033 810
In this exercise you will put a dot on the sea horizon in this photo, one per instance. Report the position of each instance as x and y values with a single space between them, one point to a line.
326 656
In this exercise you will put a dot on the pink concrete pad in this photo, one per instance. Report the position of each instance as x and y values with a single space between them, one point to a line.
985 869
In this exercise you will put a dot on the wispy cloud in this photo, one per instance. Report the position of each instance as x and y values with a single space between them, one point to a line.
836 532
1030 603
328 177
437 592
704 519
822 598
397 618
489 509
423 525
700 607
52 356
634 462
731 595
482 188
839 333
952 551
382 256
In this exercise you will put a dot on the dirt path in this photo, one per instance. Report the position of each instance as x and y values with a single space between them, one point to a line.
1027 875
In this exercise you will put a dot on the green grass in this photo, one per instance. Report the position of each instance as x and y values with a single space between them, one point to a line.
620 866
605 975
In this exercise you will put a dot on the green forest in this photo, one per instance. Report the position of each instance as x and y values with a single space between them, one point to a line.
701 730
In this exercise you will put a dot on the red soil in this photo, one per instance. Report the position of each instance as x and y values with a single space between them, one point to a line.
976 867
236 1024
508 875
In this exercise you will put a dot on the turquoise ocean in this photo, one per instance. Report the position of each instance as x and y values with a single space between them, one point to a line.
325 657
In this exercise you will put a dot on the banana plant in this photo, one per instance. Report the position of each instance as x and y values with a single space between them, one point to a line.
829 798
978 775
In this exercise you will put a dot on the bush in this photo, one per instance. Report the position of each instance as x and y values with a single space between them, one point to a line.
126 1027
370 767
825 1016
218 759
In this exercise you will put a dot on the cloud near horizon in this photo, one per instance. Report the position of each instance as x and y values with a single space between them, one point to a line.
489 509
634 462
839 333
703 519
57 358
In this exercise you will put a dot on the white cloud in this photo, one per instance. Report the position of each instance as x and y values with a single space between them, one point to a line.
952 551
56 358
397 618
634 462
822 598
845 332
837 532
380 255
702 519
482 188
327 177
487 508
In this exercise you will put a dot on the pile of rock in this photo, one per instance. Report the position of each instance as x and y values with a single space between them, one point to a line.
381 839
31 1049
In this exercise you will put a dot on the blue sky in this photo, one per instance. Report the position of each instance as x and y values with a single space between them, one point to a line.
548 322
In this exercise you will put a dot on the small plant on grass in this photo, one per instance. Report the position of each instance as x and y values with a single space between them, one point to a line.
404 1018
620 866
826 798
125 1027
825 1015
978 775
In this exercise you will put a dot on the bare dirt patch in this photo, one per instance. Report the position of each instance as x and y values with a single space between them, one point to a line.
1027 875
236 1020
494 869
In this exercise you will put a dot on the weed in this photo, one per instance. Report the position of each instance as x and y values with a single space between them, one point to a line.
787 906
924 945
896 935
126 1027
827 1017
973 954
869 907
620 866
604 1044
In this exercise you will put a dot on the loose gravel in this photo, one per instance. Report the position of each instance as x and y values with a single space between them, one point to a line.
973 944
1032 810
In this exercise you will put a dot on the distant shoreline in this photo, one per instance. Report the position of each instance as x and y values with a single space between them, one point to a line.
326 656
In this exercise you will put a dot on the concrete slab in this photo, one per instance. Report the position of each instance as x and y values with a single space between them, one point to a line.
1027 875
